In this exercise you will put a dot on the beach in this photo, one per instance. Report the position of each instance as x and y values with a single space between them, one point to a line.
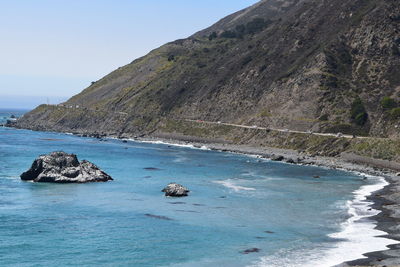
386 200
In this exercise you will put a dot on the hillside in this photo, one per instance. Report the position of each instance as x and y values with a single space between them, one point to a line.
326 66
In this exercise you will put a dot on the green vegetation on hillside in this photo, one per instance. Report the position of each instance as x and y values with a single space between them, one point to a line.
395 113
388 103
358 113
252 27
277 64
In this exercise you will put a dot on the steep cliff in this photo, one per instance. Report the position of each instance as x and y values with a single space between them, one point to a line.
320 65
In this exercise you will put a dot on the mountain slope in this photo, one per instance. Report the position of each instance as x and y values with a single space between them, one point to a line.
321 65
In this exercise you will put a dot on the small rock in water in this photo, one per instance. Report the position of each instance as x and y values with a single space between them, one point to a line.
175 190
152 169
317 176
158 217
61 167
250 250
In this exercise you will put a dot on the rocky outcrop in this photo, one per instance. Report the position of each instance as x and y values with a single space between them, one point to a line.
175 190
61 167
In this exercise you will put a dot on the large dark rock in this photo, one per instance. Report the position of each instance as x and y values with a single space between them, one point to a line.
61 167
175 190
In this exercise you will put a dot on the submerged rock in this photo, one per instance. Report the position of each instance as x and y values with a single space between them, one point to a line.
158 217
251 250
175 190
61 167
152 169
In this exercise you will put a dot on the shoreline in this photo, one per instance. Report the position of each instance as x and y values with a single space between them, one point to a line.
385 200
375 200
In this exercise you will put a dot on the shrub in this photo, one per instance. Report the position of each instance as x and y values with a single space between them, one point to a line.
228 34
262 68
171 58
212 36
264 113
395 50
256 25
395 113
388 103
247 60
358 113
361 118
324 117
241 29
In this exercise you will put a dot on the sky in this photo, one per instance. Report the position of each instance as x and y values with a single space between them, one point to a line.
53 49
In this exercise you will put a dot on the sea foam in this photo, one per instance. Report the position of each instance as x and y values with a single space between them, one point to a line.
232 184
358 235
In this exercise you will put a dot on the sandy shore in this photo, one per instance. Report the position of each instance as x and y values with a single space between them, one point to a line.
386 200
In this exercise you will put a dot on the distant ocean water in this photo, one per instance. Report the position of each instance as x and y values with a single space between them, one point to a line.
237 203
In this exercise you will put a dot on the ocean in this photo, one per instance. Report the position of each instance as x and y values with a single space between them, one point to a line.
242 210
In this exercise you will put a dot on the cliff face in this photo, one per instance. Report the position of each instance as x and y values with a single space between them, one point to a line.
321 65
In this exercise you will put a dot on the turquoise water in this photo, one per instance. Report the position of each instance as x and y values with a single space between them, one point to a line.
237 203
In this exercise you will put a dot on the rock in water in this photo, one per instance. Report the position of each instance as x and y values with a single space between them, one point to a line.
251 250
175 190
61 167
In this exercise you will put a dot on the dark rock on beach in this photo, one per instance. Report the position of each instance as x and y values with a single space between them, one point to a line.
175 190
61 167
290 161
278 158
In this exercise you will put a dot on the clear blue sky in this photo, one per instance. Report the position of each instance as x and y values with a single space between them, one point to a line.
55 48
